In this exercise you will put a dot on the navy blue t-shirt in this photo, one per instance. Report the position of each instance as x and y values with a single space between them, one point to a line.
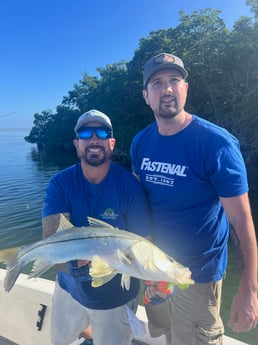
118 200
184 175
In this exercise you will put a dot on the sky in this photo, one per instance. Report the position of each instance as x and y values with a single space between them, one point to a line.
47 45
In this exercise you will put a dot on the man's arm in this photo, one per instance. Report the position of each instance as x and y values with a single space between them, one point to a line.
49 227
50 223
244 309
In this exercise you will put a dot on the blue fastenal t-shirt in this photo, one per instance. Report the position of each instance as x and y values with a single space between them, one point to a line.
118 200
184 175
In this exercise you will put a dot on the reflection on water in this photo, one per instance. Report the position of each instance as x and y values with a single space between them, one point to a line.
55 161
24 175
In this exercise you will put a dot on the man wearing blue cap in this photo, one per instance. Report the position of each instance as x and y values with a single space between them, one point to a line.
196 182
98 188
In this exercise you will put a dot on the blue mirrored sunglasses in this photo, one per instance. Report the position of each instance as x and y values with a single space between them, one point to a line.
100 132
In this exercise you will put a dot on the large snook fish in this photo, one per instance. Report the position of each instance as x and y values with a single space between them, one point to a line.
110 250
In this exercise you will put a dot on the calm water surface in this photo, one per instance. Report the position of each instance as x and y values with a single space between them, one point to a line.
23 179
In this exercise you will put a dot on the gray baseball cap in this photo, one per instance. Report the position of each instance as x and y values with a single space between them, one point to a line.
162 61
90 116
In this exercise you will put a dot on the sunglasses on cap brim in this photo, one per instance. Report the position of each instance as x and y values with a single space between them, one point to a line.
100 132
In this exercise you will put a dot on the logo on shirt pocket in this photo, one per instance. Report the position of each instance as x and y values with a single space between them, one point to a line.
109 214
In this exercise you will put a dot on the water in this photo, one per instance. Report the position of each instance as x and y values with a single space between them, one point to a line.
22 186
23 179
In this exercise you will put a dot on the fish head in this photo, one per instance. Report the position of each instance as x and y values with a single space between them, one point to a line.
156 265
149 259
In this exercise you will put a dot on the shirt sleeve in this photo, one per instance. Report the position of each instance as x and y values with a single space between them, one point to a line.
133 158
228 172
54 200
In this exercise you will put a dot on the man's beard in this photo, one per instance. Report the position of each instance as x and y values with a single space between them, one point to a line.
168 112
94 159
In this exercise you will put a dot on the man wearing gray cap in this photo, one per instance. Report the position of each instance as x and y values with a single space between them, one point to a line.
98 188
195 179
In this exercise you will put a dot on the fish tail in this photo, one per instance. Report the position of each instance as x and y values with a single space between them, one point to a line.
9 256
11 277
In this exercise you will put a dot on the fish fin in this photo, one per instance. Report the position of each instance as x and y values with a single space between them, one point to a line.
99 267
98 223
9 256
125 281
38 268
97 282
100 271
150 265
64 223
122 256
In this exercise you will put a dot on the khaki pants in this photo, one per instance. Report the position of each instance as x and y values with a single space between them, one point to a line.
190 316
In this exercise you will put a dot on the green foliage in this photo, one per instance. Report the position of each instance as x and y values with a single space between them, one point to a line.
253 4
223 87
54 132
38 134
